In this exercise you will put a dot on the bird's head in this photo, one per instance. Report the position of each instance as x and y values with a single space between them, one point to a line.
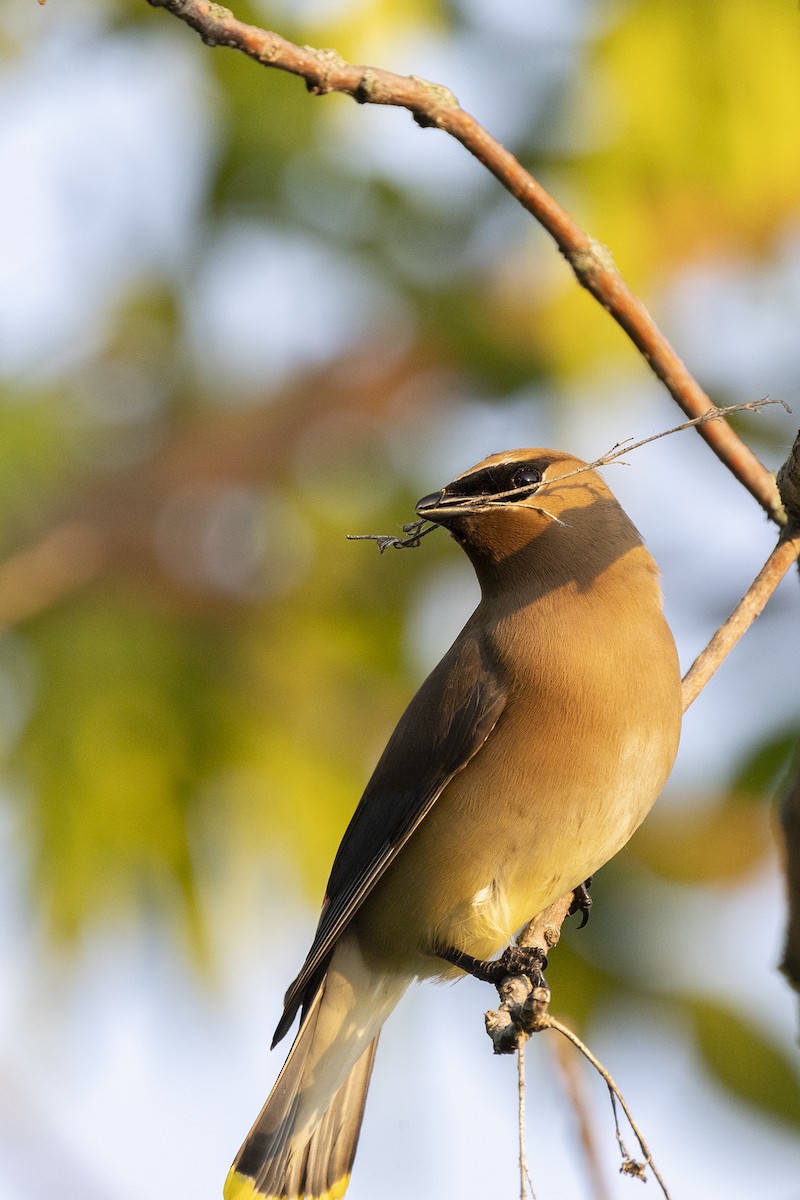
540 503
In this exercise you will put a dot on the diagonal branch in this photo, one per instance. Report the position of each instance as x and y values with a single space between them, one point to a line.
433 105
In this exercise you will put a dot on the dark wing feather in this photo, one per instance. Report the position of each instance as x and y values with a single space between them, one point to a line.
445 724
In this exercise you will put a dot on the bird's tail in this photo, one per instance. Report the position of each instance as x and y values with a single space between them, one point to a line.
304 1141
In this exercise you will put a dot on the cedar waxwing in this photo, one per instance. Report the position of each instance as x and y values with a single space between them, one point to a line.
524 762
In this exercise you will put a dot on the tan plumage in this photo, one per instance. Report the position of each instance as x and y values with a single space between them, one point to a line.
525 761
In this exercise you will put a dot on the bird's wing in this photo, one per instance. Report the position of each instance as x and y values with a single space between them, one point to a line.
446 723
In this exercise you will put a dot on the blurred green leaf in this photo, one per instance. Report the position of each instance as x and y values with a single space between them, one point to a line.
722 841
39 443
719 842
127 725
762 772
268 117
745 1062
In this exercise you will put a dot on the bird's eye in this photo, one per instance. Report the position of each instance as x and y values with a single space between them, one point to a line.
526 477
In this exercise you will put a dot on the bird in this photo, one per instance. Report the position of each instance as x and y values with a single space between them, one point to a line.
523 763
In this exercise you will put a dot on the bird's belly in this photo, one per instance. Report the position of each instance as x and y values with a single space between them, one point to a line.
503 842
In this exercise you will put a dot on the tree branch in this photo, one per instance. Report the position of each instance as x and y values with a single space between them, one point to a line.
435 106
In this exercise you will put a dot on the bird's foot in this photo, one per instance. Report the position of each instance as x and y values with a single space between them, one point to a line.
529 961
582 901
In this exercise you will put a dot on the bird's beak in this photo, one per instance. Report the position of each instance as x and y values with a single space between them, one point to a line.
440 507
428 505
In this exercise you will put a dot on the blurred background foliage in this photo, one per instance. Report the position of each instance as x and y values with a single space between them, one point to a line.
237 323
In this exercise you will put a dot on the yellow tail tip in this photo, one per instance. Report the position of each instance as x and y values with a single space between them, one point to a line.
242 1187
239 1187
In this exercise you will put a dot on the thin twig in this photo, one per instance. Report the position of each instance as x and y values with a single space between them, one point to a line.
629 1165
416 530
749 607
616 454
524 1175
524 1011
433 105
715 413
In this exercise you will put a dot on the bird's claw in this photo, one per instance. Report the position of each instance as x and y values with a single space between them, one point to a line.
582 901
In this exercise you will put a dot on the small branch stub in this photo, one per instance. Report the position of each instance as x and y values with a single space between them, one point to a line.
524 1003
520 1014
589 261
